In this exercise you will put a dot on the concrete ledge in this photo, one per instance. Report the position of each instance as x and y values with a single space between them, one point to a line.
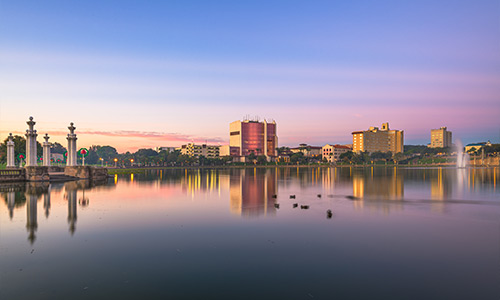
37 173
86 172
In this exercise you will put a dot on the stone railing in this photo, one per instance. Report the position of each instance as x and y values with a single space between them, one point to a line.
9 175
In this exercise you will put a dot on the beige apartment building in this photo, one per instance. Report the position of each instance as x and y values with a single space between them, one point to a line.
332 152
209 151
375 139
440 138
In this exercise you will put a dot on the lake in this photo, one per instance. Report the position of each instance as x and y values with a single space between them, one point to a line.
393 233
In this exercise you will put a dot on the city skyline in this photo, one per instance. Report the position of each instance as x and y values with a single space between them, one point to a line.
140 76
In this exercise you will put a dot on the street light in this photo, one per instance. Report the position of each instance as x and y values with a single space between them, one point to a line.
102 161
131 161
116 159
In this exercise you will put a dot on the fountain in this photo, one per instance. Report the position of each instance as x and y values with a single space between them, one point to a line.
462 158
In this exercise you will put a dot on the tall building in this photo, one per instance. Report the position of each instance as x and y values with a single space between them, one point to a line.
375 139
332 152
209 151
254 137
440 138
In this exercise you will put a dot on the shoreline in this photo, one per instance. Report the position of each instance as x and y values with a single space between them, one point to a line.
113 171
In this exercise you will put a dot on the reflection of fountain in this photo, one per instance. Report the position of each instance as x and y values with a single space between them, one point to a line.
462 158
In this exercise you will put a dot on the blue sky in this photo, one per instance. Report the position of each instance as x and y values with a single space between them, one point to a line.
166 72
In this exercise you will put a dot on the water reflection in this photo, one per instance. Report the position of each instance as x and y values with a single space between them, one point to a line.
19 194
251 192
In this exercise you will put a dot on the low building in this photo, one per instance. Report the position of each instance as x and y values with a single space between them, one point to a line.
332 152
476 146
168 149
209 151
440 138
378 140
307 150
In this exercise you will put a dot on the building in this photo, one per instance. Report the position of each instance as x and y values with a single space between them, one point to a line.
378 140
168 149
440 138
259 138
476 146
332 152
307 150
209 151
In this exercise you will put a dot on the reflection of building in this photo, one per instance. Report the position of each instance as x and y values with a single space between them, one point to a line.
209 151
440 138
200 180
375 185
332 152
375 139
252 190
440 186
259 138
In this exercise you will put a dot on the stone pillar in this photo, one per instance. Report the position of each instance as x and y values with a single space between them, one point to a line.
71 160
46 151
31 144
10 153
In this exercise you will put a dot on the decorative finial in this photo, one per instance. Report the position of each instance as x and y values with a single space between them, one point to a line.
71 123
46 137
31 118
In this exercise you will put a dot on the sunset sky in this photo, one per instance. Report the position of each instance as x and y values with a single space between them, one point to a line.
140 74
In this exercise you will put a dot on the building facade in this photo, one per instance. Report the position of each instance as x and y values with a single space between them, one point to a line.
168 149
378 140
259 138
440 138
307 150
209 151
332 152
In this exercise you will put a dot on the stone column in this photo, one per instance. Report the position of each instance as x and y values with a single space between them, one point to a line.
46 151
71 160
10 153
31 144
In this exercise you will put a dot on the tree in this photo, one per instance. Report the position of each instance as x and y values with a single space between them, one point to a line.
261 159
19 148
57 148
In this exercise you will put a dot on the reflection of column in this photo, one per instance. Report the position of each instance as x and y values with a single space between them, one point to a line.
72 210
10 153
46 151
31 143
31 224
11 202
46 203
71 146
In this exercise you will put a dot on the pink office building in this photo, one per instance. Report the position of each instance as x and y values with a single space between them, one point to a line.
254 137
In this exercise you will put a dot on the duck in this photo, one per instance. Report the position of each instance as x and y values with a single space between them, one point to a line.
292 196
304 207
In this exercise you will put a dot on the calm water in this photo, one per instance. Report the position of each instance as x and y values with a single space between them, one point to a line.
216 234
